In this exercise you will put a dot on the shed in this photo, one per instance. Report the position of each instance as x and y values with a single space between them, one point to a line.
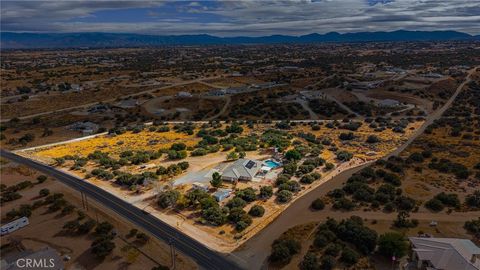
222 194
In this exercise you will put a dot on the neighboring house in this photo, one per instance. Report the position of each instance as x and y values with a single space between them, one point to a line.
76 87
242 169
183 94
388 103
221 194
127 103
14 225
217 92
87 128
445 253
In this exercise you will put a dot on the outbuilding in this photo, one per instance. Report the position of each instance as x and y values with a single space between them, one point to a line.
222 194
14 225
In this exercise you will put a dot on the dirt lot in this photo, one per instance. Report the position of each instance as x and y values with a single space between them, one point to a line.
128 254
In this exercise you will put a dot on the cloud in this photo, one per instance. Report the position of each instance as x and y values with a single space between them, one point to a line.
248 17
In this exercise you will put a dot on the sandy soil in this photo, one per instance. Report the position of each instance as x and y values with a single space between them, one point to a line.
78 248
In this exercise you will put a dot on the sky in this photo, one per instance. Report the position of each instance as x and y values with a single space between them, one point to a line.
239 18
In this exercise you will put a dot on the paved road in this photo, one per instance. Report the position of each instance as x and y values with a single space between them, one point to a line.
257 248
206 258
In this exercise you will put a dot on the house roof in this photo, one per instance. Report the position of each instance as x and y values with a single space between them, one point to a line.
447 253
242 168
221 193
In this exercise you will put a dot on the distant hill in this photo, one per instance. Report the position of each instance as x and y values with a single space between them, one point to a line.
11 40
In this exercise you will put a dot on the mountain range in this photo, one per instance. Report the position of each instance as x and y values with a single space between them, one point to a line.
12 40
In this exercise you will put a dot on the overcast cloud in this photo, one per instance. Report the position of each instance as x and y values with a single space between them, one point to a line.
235 18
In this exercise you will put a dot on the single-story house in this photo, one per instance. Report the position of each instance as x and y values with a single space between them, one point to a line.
183 94
221 194
388 103
242 169
87 128
445 253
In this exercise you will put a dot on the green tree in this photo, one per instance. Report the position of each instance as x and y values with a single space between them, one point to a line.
232 155
44 192
392 244
349 256
328 262
309 262
318 204
168 198
293 155
284 196
266 192
102 246
216 180
256 211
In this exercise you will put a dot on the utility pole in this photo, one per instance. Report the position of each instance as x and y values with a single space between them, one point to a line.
172 251
83 201
86 202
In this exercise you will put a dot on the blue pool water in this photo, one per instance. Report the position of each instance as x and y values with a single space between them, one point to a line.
272 164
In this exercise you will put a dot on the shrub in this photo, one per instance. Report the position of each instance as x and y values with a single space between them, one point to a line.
102 246
343 204
44 192
332 249
142 237
328 262
41 178
103 228
86 227
346 136
318 204
68 209
236 202
434 205
283 250
247 194
215 216
473 200
266 192
349 256
344 156
373 139
256 211
293 155
309 262
284 196
178 146
473 227
168 198
416 157
450 199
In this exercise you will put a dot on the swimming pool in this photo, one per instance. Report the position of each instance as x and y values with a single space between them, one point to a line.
272 164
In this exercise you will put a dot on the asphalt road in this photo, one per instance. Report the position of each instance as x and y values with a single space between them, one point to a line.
205 257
